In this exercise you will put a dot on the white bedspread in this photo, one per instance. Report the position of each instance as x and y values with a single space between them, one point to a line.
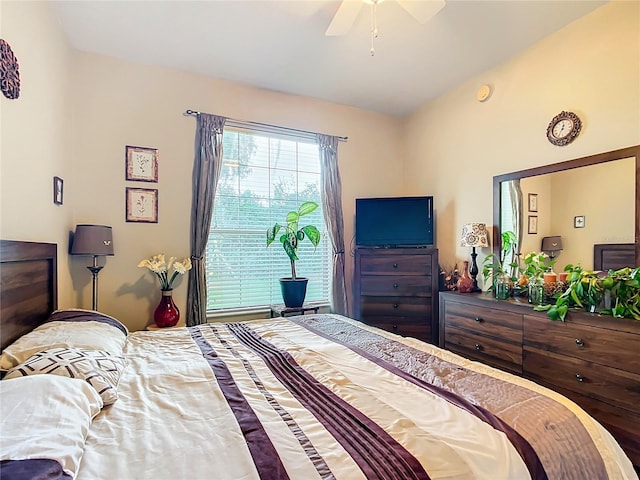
179 418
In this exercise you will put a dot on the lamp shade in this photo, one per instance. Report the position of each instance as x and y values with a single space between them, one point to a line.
474 235
92 240
551 244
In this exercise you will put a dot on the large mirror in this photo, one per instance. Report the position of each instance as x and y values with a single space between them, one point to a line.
585 202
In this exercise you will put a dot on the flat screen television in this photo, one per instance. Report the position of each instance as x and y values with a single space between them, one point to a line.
394 221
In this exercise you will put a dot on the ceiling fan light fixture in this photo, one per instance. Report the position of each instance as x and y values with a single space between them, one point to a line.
348 11
374 23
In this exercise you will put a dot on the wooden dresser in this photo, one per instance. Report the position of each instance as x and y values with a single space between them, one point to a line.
591 359
396 289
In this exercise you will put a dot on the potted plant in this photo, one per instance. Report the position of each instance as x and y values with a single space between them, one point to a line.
495 269
616 293
294 288
536 264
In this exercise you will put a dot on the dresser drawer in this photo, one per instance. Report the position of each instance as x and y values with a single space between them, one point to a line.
601 345
406 327
395 265
608 384
489 321
486 349
395 285
418 307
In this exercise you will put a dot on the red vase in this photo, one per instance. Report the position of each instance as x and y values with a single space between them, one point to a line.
166 314
465 283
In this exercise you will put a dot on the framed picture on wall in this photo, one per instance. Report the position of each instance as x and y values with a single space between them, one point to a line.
533 202
141 164
533 224
58 185
142 205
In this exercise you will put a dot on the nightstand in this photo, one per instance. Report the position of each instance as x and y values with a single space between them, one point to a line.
282 311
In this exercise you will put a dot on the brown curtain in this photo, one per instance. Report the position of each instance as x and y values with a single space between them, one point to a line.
206 173
331 192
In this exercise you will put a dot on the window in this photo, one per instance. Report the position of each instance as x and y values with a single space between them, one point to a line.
264 176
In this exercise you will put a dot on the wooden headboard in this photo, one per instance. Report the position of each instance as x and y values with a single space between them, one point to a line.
28 286
614 256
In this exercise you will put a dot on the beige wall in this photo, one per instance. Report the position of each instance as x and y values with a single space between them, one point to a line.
35 135
608 212
73 119
592 191
77 112
455 144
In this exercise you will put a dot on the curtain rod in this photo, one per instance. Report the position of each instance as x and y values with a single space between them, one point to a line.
258 124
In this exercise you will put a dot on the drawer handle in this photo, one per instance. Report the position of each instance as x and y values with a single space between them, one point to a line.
579 377
395 305
478 347
479 319
394 328
395 265
579 342
395 285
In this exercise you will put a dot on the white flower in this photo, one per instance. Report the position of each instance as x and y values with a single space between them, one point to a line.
158 265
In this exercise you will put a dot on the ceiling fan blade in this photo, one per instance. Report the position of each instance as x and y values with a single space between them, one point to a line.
344 18
422 11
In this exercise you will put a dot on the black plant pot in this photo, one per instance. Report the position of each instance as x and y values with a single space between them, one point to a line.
293 291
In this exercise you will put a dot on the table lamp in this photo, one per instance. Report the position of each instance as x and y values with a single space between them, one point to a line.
474 235
551 245
94 240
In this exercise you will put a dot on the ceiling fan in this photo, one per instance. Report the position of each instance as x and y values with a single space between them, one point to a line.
343 20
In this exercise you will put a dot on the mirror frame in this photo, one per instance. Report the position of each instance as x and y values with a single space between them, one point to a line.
620 154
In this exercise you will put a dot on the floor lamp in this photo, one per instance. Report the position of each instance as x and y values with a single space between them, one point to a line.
474 235
97 241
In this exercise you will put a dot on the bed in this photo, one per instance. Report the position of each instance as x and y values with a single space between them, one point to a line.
311 396
614 256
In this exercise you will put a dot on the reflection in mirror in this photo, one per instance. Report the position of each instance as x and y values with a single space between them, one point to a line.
511 218
587 201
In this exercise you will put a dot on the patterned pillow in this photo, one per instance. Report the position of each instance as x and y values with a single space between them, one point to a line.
100 369
88 330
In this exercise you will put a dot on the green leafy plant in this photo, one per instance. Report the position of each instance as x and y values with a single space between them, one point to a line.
536 264
616 293
494 266
293 234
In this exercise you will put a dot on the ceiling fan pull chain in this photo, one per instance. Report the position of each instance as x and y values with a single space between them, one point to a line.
374 26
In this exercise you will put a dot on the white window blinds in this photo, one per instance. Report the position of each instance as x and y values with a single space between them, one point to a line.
264 176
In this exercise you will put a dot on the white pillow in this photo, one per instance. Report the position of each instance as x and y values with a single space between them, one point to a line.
83 329
45 417
100 369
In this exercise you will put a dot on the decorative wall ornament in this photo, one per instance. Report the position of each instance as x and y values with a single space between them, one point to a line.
58 185
141 164
9 73
142 205
563 128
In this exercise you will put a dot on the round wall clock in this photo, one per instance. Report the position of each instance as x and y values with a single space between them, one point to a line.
9 74
564 128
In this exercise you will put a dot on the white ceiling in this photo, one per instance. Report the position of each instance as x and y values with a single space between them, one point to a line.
281 45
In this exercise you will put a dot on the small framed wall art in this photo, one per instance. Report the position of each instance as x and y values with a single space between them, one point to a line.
533 202
533 224
141 164
142 205
578 221
58 185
